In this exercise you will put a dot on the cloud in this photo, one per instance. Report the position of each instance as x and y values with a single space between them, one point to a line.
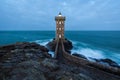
92 2
78 12
64 3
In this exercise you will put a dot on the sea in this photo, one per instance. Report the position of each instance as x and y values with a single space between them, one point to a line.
92 44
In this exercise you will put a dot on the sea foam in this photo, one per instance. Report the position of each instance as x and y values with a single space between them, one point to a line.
43 42
94 52
87 50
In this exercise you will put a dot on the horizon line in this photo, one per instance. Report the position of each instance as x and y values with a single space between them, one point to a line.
54 30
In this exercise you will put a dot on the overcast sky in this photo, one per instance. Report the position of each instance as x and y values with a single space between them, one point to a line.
39 14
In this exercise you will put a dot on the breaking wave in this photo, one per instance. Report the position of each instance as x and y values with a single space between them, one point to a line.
43 42
87 50
94 52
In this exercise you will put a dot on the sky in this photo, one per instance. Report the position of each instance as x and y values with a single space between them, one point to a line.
40 14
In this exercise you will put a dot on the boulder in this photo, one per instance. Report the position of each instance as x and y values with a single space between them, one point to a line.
107 62
79 55
67 45
110 62
51 45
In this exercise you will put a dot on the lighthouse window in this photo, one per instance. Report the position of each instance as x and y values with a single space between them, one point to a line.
59 28
60 22
59 36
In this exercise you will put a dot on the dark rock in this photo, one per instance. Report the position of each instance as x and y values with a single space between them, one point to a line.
83 77
64 77
24 50
71 76
107 62
30 61
18 53
28 70
68 51
7 47
110 62
51 64
51 45
26 45
2 52
79 55
67 44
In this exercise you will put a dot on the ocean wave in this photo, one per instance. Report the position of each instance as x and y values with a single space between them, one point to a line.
52 53
43 42
88 52
79 43
94 52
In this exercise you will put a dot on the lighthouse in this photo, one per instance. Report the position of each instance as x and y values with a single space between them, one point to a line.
60 22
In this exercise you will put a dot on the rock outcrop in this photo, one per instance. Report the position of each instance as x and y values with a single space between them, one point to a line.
27 70
52 45
79 55
106 62
19 53
31 61
51 64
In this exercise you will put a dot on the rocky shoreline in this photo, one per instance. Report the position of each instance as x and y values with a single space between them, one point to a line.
68 46
31 61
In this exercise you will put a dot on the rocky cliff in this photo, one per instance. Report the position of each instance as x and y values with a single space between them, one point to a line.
31 61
